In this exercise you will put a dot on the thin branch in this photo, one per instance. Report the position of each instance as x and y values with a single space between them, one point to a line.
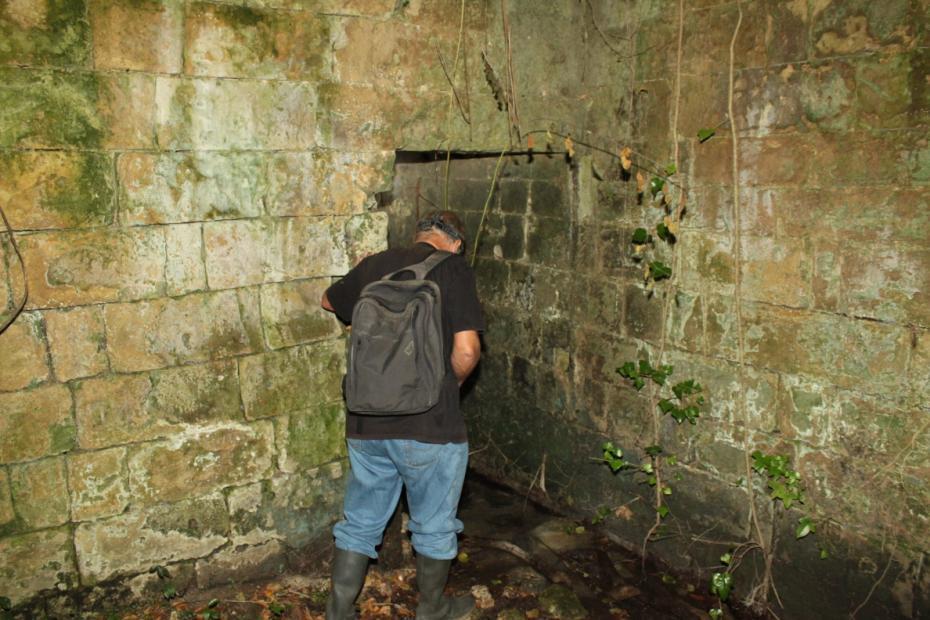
874 585
455 94
487 203
22 266
603 36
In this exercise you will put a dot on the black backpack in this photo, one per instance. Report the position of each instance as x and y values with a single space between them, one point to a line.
396 359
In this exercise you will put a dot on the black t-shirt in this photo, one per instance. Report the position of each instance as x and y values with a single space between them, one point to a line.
461 311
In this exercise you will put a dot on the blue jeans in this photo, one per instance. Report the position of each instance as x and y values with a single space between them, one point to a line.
433 475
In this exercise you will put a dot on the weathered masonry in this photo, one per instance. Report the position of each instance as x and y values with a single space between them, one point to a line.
184 178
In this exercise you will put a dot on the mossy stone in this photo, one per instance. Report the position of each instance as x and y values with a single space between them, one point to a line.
59 36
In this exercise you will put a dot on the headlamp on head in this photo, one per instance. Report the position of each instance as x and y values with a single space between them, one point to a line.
436 220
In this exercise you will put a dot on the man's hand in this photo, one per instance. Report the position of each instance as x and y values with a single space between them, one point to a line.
466 351
325 303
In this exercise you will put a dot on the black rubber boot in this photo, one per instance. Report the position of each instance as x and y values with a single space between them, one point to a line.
347 581
431 581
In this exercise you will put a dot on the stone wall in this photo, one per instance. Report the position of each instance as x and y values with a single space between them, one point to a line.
831 110
185 178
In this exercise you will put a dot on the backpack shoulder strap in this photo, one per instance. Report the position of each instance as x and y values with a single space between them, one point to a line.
421 269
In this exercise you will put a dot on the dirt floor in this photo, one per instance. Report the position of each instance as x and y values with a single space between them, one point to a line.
518 561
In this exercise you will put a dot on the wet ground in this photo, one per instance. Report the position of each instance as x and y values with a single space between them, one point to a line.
517 559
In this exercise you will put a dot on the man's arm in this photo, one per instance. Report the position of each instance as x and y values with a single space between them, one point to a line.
466 351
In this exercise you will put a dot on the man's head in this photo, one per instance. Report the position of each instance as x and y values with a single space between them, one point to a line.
443 230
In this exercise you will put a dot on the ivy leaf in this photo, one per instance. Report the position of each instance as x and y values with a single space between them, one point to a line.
169 592
6 604
671 169
705 133
653 451
626 158
641 236
726 558
161 571
721 584
805 527
667 406
647 468
666 490
660 270
570 147
656 185
652 481
663 233
640 183
715 613
662 510
823 554
671 459
276 609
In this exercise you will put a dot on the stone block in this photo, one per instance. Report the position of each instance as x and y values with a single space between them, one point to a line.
305 505
138 36
40 493
35 423
777 271
51 109
194 328
52 33
190 187
131 408
242 563
385 54
884 91
845 351
356 117
251 521
764 100
887 282
865 426
845 28
237 252
806 409
77 342
234 114
828 94
243 252
6 500
852 160
549 241
185 271
643 313
240 41
291 380
126 104
30 563
23 349
98 483
71 268
365 234
549 200
514 196
707 263
47 109
56 189
310 438
135 541
291 313
326 182
200 460
775 161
